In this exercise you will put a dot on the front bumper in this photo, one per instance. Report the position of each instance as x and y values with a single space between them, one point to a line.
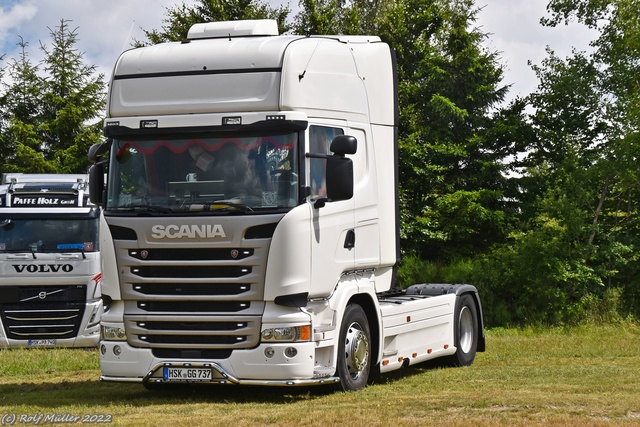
247 367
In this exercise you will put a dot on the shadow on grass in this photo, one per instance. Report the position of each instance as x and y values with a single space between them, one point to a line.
96 393
51 395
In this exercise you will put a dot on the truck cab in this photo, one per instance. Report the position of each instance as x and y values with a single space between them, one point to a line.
250 222
49 262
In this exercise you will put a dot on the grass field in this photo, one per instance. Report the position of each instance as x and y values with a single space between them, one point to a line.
586 376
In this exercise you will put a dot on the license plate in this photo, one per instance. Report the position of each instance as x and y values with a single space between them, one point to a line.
42 343
187 374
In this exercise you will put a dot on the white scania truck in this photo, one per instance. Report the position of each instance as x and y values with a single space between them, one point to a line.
250 231
49 262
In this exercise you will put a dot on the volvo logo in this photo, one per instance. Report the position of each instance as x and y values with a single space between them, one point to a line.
42 295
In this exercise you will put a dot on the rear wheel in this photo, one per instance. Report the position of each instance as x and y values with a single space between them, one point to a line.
465 332
354 349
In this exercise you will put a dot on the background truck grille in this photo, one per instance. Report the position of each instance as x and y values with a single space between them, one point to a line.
42 312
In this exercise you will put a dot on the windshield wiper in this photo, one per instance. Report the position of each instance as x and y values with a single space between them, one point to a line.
145 208
218 205
230 204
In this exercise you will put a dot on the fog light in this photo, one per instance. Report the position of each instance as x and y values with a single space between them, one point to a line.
117 350
290 352
103 349
269 352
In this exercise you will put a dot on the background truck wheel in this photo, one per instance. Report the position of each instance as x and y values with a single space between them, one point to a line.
354 349
465 332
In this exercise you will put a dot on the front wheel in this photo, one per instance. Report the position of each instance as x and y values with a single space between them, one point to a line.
354 349
465 331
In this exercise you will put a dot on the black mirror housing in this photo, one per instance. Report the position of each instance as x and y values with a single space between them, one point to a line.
97 150
339 178
344 144
97 194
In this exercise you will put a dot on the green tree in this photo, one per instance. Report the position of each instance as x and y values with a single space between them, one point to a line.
51 110
73 98
576 245
452 177
616 57
617 47
180 18
21 111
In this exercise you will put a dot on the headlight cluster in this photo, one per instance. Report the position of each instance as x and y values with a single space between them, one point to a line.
112 333
287 334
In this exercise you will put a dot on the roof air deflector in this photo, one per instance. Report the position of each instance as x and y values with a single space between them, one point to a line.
255 27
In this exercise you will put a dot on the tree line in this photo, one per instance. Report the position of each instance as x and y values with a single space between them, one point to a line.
533 201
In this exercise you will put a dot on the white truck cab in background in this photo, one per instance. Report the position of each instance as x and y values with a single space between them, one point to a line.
49 262
250 228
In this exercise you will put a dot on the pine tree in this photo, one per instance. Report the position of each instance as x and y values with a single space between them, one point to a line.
21 112
73 102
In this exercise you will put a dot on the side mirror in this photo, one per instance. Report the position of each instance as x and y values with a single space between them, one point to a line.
97 194
97 150
339 178
344 144
339 170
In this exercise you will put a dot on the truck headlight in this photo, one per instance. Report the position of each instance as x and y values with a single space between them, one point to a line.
287 334
112 333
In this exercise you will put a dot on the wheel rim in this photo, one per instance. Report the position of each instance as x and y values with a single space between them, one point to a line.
465 327
356 350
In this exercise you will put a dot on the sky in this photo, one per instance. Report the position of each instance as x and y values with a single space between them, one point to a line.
106 28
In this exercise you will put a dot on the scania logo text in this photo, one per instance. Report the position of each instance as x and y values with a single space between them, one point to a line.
43 268
187 231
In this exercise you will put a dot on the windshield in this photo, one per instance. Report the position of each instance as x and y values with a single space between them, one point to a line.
51 234
207 174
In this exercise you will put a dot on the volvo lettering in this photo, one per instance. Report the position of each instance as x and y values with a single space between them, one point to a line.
49 262
43 268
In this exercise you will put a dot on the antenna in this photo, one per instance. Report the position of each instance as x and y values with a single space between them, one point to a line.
128 35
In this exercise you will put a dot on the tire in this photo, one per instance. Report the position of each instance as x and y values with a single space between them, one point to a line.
354 349
465 331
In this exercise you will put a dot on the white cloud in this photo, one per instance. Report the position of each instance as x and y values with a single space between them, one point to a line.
12 17
516 33
103 28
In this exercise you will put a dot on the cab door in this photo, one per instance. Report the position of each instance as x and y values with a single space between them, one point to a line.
333 224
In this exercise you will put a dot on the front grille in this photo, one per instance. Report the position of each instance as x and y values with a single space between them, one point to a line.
193 326
182 339
176 353
173 271
191 297
193 306
190 254
42 312
185 331
191 289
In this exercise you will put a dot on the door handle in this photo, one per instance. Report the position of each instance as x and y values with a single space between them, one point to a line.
350 240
